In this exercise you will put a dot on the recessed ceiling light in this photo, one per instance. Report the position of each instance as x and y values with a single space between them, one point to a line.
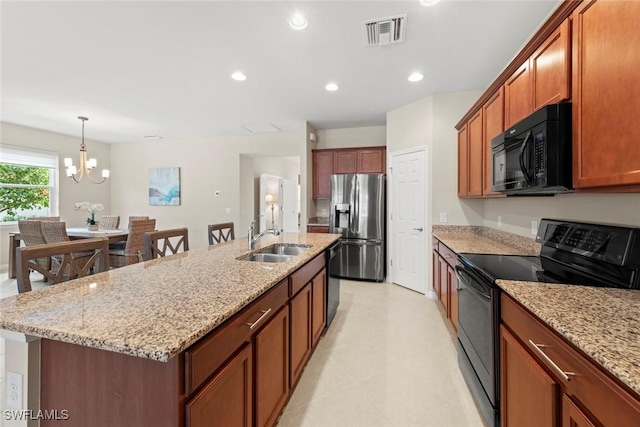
415 77
298 22
428 2
331 87
238 76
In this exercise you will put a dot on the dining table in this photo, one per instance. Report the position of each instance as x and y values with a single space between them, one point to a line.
74 233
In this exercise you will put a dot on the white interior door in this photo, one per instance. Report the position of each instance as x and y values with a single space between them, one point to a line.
289 206
409 266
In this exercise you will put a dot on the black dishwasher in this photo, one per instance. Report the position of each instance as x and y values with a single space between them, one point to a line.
333 282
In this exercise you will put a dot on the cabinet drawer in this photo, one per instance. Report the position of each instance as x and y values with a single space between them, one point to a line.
206 357
304 275
447 254
609 402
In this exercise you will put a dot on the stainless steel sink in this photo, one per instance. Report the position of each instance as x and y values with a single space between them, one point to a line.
267 257
284 249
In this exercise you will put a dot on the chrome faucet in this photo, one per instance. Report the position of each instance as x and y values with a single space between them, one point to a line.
252 240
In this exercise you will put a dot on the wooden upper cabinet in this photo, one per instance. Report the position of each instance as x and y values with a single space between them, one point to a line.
606 135
372 160
463 165
345 161
550 68
517 93
493 125
474 150
322 170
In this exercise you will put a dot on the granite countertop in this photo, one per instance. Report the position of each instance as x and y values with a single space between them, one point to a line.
602 322
158 308
484 240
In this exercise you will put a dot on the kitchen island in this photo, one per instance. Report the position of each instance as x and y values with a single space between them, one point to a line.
145 344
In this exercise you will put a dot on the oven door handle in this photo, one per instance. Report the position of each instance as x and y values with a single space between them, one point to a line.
461 278
523 167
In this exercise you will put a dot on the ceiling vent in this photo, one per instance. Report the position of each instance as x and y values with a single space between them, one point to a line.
383 31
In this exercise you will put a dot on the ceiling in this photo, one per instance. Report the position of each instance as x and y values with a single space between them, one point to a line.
163 68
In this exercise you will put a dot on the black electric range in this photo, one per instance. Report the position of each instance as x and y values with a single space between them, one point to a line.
572 253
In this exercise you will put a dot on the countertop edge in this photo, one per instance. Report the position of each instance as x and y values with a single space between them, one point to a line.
158 352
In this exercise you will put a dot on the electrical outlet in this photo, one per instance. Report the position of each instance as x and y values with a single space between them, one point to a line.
499 221
443 217
227 210
534 227
14 390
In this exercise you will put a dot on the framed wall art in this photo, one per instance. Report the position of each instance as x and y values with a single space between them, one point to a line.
164 186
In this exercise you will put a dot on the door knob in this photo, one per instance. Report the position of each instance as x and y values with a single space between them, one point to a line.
419 229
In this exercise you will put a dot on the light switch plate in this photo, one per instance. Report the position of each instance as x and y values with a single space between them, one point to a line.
499 220
534 227
227 210
443 217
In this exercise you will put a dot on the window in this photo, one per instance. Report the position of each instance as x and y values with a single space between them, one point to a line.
28 183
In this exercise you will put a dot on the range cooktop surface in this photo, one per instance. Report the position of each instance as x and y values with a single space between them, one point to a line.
529 269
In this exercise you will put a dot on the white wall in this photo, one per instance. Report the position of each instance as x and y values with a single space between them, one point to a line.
518 212
448 108
70 192
430 121
371 136
207 165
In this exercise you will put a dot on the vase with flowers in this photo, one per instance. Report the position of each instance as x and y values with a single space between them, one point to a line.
92 208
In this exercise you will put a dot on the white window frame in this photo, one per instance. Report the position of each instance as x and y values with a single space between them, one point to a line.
23 156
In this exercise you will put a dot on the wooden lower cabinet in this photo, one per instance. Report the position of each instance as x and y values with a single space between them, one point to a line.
452 288
445 282
271 350
226 400
547 382
528 394
300 331
318 301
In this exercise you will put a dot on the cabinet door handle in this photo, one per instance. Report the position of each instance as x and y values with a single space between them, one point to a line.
265 313
538 349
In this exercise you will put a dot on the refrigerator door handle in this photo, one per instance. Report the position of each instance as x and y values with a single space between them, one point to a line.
361 242
356 208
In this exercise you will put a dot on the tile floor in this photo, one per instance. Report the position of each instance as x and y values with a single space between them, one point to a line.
386 360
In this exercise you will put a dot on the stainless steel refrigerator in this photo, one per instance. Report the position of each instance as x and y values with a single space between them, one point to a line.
358 213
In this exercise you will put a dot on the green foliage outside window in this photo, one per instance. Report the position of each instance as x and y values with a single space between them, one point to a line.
34 195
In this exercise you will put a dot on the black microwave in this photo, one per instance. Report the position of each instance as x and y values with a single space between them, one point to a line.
534 156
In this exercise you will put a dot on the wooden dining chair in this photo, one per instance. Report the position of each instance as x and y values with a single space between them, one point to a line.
31 234
56 232
109 222
134 246
70 266
221 232
161 243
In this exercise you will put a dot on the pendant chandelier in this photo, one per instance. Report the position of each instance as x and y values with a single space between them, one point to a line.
86 165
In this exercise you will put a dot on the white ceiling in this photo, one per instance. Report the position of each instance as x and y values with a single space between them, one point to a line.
163 68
